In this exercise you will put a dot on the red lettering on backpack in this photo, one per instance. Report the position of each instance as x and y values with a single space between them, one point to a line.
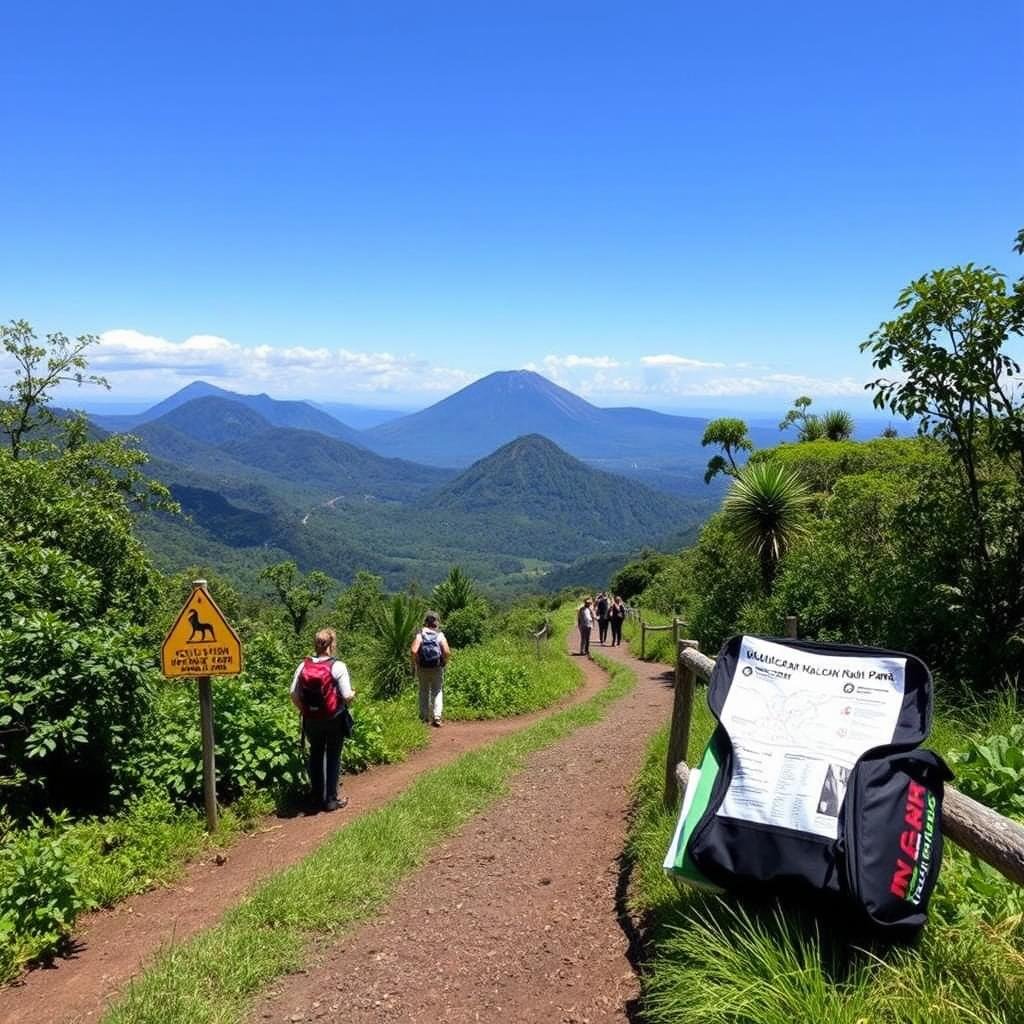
901 879
915 817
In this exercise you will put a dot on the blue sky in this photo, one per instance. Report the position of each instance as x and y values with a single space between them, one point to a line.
651 203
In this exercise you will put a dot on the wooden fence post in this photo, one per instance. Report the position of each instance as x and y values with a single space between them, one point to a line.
792 627
682 714
643 639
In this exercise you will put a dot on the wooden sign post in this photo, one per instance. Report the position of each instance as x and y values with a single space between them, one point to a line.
200 644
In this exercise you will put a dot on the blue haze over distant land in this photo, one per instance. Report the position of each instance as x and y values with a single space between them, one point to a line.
659 205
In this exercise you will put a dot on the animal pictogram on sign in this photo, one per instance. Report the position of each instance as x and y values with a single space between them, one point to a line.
201 642
199 629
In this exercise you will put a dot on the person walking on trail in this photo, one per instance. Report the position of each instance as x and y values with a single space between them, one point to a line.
602 617
322 692
430 655
616 617
585 621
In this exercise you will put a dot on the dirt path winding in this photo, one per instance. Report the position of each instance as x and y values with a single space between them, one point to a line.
516 918
112 946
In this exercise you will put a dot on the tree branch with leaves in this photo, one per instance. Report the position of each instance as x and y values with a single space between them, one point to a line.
732 437
38 370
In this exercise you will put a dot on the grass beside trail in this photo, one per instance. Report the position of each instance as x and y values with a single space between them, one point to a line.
659 645
721 961
214 978
510 675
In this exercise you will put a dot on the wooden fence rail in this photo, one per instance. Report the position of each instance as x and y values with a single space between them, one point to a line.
996 840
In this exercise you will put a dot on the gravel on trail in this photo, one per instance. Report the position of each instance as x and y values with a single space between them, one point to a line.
519 916
113 946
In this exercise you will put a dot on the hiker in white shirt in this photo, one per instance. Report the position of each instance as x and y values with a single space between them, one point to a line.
585 621
430 654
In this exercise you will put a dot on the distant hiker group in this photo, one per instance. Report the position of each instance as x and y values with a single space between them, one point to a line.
322 691
609 613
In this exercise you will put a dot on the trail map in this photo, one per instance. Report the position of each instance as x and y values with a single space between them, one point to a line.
798 722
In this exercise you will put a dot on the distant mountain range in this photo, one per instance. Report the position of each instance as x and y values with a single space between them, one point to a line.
277 413
661 450
263 479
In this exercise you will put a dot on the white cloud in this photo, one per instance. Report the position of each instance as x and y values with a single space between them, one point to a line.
785 385
679 362
571 362
131 358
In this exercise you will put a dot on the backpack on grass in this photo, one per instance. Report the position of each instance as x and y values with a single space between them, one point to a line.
817 783
430 654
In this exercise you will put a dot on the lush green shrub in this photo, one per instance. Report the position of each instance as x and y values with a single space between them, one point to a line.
74 679
39 894
467 626
505 676
634 578
75 586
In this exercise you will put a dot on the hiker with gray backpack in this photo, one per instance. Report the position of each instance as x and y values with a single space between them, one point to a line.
430 653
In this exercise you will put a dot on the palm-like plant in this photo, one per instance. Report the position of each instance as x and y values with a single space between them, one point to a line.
455 592
837 424
395 623
767 507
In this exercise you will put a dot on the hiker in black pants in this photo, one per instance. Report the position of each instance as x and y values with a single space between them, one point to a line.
322 691
602 617
616 616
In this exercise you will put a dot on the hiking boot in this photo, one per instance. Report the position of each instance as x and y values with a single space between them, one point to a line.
336 805
436 723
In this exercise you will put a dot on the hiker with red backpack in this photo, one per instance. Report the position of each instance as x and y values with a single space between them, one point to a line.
322 692
430 654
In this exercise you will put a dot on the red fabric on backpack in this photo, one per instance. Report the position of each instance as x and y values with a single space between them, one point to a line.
318 689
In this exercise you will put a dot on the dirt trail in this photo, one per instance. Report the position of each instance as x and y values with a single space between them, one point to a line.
112 946
519 916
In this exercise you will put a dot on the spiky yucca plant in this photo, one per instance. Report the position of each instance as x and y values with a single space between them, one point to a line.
767 507
837 424
456 591
395 624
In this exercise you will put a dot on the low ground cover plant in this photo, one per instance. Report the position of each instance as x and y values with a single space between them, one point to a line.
506 676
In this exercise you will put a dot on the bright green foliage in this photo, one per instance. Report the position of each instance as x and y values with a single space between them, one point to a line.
731 436
634 578
257 733
39 897
821 463
767 507
506 677
809 426
74 585
949 344
299 594
395 625
468 625
455 592
359 602
837 425
38 369
992 770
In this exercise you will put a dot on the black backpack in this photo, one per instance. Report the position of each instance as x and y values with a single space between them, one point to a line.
788 814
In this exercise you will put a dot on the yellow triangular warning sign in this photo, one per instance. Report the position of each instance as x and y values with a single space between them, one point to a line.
201 643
